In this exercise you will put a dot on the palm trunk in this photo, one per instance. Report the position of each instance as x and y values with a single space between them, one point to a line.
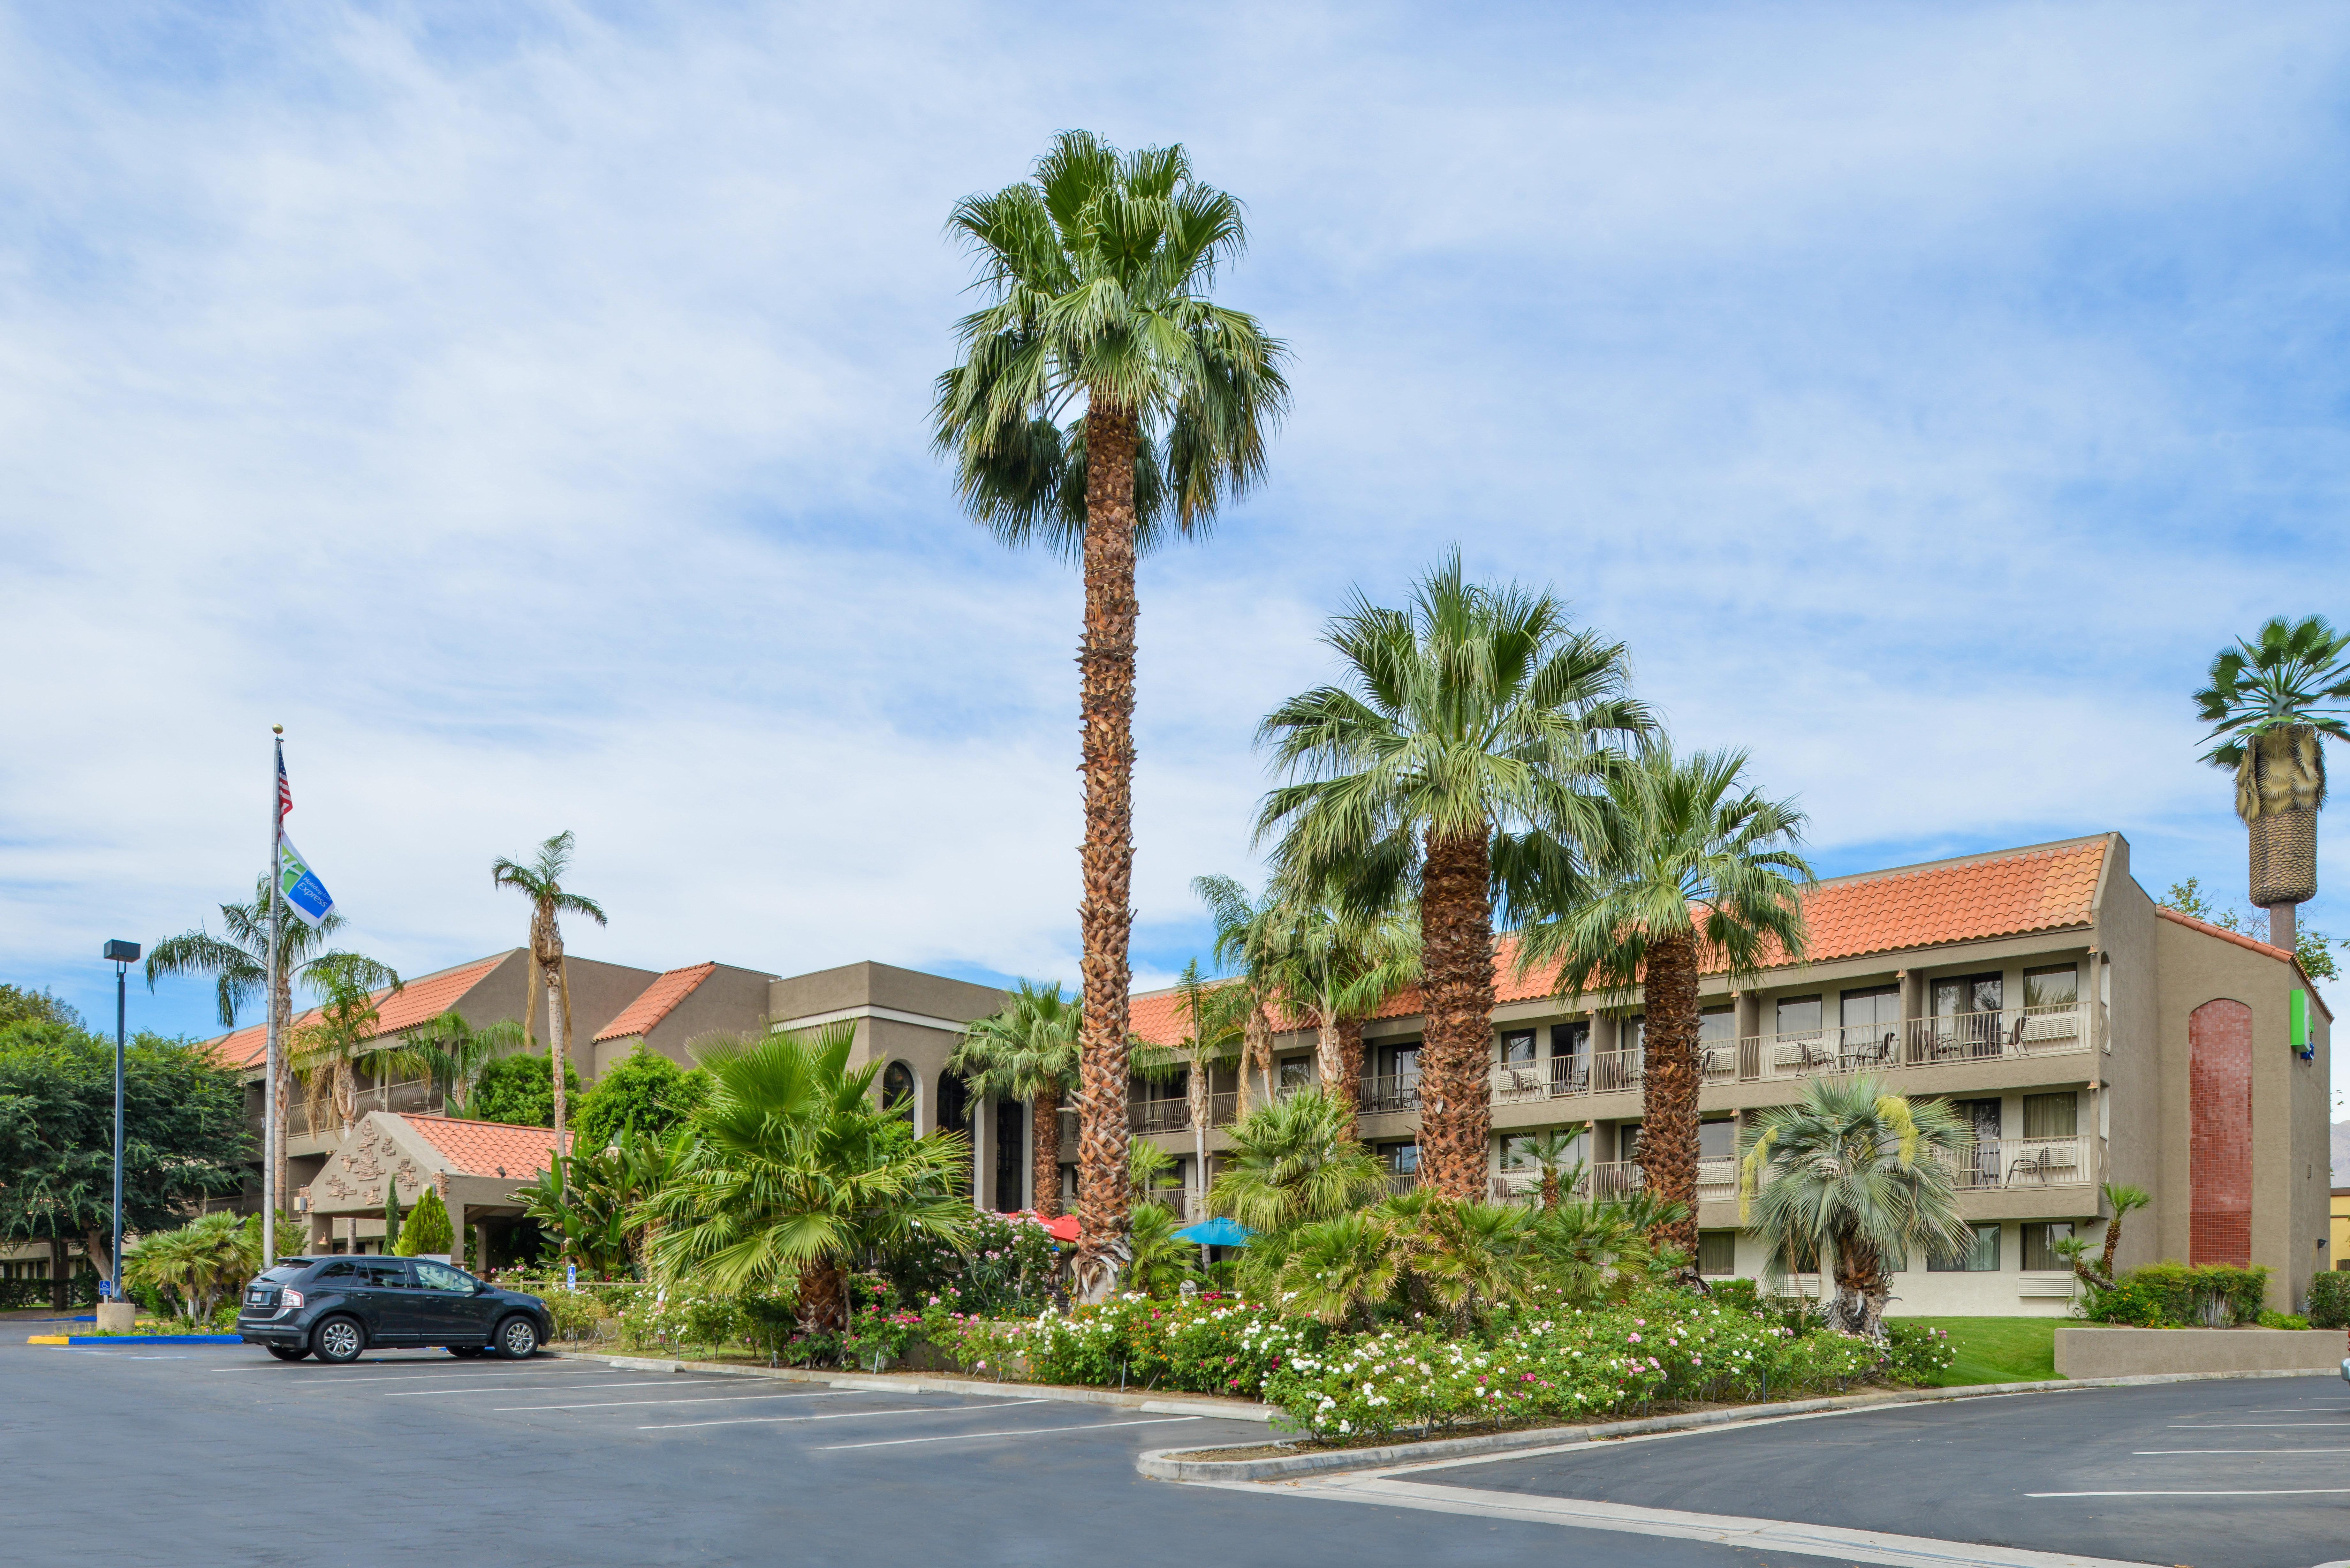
824 1298
1862 1289
1257 1052
1196 1100
1550 1189
1670 1084
555 1046
1326 1065
1105 708
1045 1144
1350 1063
1456 914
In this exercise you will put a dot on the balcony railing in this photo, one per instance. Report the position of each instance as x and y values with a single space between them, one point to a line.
1402 1181
2024 1162
1717 1179
1396 1093
2015 1034
1159 1115
1175 1201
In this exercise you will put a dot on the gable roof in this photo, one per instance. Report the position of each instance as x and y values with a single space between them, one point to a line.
2012 892
418 1001
481 1148
656 1002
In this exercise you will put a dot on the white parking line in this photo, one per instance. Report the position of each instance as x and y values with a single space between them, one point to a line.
2257 1426
721 1399
478 1389
1009 1432
843 1415
2279 1491
2163 1453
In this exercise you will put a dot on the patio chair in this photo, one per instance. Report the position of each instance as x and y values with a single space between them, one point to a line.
2015 1038
2034 1165
1812 1058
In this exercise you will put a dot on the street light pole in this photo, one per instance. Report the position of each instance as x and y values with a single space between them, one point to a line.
123 955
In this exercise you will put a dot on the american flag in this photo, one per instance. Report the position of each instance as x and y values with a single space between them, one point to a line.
285 790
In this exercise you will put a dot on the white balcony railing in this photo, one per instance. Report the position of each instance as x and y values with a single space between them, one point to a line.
2026 1163
1399 1091
2015 1034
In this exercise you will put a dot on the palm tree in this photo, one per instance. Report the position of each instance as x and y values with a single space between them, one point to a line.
1098 271
1341 966
1855 1176
238 962
542 882
1027 1050
1215 1022
1700 870
1248 932
1417 1252
1292 1162
452 1053
2270 705
1557 1154
324 1055
791 1172
1459 759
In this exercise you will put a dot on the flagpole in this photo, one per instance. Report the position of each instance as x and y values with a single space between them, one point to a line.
271 1196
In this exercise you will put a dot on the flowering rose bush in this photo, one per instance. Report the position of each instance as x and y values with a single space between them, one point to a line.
1566 1365
1211 1344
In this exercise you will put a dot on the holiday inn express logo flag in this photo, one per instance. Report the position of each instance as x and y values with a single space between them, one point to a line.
299 885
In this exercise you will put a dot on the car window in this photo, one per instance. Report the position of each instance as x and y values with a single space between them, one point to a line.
337 1272
387 1274
434 1276
287 1271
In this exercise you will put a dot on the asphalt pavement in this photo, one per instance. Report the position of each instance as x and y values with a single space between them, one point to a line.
199 1455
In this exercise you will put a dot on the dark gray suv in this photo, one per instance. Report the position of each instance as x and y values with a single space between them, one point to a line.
336 1307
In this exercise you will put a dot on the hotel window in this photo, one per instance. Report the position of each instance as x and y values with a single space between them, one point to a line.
2052 1116
1871 1022
2039 1254
1798 1017
1717 1252
1717 1139
1568 1041
1518 1048
1981 1257
2058 985
1517 1152
1400 1061
1296 1073
1632 1033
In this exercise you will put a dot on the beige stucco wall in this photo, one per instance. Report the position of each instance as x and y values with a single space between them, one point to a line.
2135 1351
2290 1180
2133 1120
728 1000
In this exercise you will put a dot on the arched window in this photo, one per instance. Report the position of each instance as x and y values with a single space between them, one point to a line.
898 1090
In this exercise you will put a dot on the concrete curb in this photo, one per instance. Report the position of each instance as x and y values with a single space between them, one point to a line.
929 1383
1168 1464
135 1339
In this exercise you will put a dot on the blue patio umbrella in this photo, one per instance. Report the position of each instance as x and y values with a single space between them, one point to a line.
1217 1232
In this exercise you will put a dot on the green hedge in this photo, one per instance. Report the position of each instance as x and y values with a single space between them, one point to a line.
2329 1299
2176 1295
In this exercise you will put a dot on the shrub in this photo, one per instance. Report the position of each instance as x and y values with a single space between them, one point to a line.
1207 1343
2175 1295
520 1089
2282 1319
427 1228
644 1092
2329 1299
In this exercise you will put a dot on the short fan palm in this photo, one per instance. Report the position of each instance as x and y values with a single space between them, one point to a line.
1027 1050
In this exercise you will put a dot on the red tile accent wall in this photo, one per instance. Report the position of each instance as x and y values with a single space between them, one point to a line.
2219 1134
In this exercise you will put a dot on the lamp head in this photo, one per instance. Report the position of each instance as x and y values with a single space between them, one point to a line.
122 953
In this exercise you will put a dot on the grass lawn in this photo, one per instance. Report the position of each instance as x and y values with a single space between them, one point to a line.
1996 1349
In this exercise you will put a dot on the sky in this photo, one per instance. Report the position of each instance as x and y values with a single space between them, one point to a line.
527 405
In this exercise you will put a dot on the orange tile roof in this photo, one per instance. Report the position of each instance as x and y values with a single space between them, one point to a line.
654 1003
1998 894
1156 1016
488 1149
418 1000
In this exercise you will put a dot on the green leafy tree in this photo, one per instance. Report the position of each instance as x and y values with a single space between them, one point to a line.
791 1172
1027 1050
1857 1176
390 1214
541 881
2314 947
1459 759
184 1139
518 1090
1698 869
2272 704
22 1005
1103 403
238 963
644 1095
427 1230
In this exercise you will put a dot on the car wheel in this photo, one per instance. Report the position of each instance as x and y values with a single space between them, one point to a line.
290 1352
339 1340
517 1338
466 1351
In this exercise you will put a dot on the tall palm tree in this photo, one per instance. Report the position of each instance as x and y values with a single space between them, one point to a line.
1027 1050
1248 932
1858 1177
1215 1021
1459 761
2270 705
1700 870
452 1053
238 962
541 881
1103 403
324 1055
1340 966
793 1172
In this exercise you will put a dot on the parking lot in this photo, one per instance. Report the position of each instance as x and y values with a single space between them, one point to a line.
179 1455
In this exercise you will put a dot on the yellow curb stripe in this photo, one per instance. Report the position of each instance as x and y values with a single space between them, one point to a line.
46 1339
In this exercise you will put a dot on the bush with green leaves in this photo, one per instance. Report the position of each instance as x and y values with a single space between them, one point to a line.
2289 1320
520 1090
2329 1299
644 1094
1006 1264
427 1228
2181 1296
1206 1343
